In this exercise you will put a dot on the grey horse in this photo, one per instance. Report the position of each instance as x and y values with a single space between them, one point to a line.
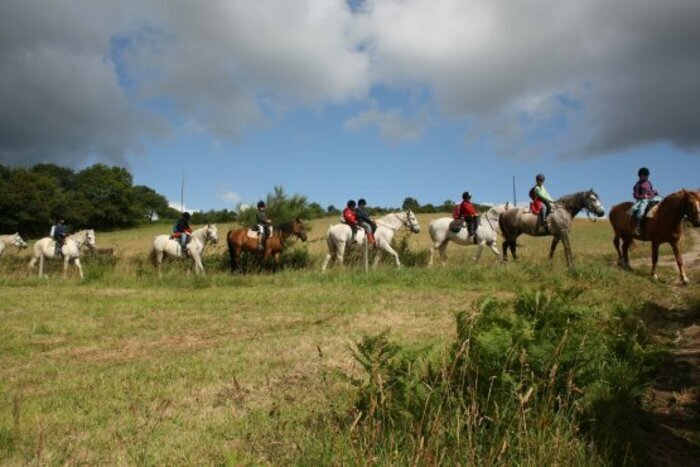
520 220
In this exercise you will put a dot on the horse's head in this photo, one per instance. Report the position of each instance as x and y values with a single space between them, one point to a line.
691 208
18 241
412 222
592 203
212 233
298 229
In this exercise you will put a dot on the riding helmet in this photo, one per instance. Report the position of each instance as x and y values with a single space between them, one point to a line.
351 203
361 202
643 172
466 195
261 204
539 177
186 216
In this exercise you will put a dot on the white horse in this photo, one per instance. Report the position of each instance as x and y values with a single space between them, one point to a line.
164 245
9 240
338 237
46 248
486 234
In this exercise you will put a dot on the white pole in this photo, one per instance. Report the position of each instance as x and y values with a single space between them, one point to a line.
366 255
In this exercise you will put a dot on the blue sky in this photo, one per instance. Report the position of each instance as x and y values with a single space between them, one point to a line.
381 99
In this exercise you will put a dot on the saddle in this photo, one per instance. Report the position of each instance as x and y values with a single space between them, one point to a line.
254 232
651 210
457 225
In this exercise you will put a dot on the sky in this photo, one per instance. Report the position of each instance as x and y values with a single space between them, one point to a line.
342 99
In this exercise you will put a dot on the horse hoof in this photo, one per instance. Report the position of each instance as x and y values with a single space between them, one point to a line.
655 278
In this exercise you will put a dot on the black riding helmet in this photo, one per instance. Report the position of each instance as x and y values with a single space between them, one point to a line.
466 196
261 204
351 203
362 202
186 216
539 178
643 172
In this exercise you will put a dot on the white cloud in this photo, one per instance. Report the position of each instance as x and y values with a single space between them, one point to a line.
80 78
393 127
231 197
182 208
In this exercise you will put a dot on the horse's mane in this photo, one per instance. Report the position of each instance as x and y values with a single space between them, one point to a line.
570 200
285 227
671 197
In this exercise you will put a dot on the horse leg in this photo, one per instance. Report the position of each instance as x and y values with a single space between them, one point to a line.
443 252
567 250
553 247
626 242
41 265
66 260
276 256
76 261
512 245
616 243
340 254
679 262
479 251
158 258
504 246
494 248
389 250
654 259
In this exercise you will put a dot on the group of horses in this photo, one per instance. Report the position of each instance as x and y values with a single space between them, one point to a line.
664 227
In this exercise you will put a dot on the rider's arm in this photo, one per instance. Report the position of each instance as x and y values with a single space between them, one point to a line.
543 194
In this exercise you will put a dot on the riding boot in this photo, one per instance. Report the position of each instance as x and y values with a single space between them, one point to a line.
370 237
470 229
638 226
261 242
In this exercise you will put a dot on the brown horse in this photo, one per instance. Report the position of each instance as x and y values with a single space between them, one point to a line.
664 227
238 241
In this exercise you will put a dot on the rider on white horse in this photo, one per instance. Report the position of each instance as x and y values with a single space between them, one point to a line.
182 230
467 214
364 220
58 233
349 217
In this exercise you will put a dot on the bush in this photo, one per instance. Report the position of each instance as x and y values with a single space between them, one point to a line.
535 382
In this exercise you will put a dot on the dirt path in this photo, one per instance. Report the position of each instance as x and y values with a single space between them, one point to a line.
672 404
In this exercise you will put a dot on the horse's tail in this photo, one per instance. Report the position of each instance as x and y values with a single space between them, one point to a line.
231 253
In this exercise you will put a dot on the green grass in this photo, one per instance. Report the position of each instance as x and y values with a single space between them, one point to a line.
126 368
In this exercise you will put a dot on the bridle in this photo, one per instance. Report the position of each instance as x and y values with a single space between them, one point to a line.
409 222
688 213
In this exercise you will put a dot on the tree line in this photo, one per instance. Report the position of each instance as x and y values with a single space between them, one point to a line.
104 198
99 197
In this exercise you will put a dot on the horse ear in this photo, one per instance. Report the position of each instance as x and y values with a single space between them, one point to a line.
685 192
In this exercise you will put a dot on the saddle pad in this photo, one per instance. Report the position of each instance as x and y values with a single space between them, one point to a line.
456 225
252 233
652 212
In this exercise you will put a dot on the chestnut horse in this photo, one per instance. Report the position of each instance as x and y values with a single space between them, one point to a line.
665 227
238 241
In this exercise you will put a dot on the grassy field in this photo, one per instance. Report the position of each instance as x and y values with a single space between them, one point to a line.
125 368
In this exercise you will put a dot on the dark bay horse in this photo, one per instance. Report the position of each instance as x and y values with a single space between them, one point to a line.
521 221
238 241
665 227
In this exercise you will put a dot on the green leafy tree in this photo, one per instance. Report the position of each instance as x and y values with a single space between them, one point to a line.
410 203
149 202
279 206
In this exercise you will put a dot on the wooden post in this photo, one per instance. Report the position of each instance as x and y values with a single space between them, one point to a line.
366 255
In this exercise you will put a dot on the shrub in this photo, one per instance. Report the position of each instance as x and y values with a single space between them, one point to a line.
535 382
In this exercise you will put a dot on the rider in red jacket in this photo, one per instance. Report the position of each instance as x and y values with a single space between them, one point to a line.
350 218
468 213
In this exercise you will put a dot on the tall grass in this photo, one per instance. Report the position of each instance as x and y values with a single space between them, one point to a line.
540 381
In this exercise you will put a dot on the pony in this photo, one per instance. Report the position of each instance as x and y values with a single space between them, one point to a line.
664 227
520 220
486 234
163 245
8 240
45 248
238 241
338 237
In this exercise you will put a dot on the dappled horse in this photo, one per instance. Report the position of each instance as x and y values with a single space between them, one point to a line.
9 240
163 245
70 251
338 237
486 234
521 221
246 239
664 227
